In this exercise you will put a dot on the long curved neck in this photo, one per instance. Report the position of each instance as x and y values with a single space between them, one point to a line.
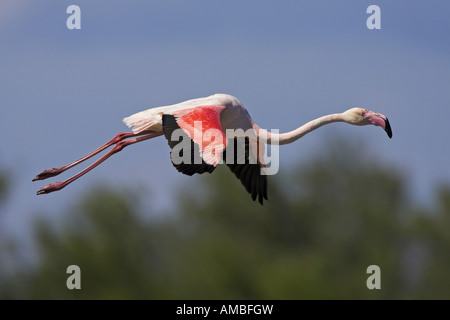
291 136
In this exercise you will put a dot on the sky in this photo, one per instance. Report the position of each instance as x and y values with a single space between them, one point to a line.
64 92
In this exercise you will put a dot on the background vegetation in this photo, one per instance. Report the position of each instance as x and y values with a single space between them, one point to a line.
325 223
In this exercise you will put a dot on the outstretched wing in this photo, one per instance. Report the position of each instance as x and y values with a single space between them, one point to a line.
196 138
195 163
246 168
198 143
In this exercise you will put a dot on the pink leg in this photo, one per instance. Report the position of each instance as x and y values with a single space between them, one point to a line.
119 137
118 147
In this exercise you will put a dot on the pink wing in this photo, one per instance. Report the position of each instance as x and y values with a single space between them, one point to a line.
203 127
202 124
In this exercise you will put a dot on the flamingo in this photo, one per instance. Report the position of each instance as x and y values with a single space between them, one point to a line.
220 113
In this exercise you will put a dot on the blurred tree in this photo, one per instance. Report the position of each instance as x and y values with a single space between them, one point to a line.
6 246
3 186
431 239
110 244
330 219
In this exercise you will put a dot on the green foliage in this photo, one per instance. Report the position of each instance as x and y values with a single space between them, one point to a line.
3 186
323 225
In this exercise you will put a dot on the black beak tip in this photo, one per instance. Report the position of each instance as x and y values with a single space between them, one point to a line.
387 128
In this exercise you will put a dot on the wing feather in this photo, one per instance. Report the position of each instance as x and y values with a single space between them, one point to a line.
248 172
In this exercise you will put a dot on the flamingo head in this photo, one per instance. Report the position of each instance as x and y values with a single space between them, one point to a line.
362 117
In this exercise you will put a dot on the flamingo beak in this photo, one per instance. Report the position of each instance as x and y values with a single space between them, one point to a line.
387 128
377 119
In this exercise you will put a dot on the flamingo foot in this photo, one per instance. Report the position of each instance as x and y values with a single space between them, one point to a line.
51 187
48 173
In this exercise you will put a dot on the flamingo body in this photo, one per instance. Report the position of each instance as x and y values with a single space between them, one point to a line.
151 119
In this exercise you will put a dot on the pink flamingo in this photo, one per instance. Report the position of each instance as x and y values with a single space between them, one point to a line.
219 112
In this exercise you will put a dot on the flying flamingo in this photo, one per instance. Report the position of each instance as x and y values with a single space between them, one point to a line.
219 112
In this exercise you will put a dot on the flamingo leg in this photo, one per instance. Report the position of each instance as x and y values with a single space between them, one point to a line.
119 137
120 145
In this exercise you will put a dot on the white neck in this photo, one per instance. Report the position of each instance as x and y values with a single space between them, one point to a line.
291 136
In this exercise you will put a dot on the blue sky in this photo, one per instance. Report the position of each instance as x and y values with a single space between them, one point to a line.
64 92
